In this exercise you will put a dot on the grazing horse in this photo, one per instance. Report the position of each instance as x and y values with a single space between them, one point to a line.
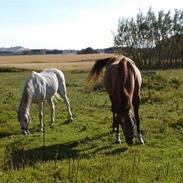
122 81
39 87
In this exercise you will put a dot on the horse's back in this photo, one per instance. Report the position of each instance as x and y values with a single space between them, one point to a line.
37 85
111 77
130 62
52 83
44 85
58 73
61 79
137 73
122 73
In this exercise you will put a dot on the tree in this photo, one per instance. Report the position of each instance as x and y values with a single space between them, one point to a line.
88 50
144 37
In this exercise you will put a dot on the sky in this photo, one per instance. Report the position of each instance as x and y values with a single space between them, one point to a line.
69 24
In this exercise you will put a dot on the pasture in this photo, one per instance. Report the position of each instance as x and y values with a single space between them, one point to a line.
84 151
63 62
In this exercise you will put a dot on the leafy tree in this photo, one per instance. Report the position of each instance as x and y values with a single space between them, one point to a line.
88 50
152 39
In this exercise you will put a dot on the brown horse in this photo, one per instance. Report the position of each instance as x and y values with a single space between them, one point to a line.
122 81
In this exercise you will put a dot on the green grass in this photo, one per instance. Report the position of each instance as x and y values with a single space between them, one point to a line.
84 151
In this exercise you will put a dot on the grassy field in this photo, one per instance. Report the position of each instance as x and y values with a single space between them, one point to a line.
84 151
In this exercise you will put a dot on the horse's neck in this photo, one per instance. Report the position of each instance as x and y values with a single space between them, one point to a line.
25 101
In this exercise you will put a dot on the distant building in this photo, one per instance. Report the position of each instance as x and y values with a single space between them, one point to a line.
69 52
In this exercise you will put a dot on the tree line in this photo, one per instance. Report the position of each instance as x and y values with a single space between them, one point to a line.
152 40
88 50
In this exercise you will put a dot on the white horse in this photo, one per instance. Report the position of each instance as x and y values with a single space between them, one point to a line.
39 87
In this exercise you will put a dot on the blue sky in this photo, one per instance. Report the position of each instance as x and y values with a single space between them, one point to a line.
68 24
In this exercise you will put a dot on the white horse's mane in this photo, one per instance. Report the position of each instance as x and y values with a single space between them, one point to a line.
28 86
28 90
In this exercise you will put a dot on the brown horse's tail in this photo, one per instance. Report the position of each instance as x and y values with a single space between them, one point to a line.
123 73
123 69
97 68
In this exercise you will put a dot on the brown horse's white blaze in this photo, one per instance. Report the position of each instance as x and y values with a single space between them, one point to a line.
122 81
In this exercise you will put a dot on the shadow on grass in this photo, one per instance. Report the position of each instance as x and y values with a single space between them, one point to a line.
11 69
4 134
177 124
117 151
17 156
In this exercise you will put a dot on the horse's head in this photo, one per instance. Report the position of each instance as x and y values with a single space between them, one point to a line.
24 119
127 121
128 129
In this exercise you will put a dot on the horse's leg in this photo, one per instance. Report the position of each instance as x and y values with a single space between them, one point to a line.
66 100
113 115
52 108
136 104
128 125
114 122
117 138
62 92
41 116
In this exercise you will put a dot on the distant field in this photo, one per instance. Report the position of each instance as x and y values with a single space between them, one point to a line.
63 62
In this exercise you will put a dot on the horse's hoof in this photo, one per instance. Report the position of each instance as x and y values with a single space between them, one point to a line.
41 129
25 132
141 141
52 125
71 119
114 130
